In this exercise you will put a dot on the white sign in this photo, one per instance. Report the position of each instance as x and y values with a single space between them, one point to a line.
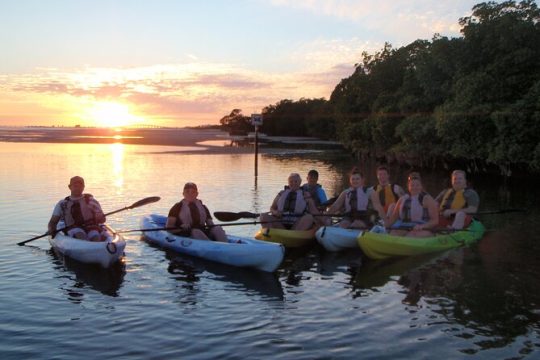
256 119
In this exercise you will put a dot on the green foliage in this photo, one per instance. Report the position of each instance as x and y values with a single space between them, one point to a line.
236 123
474 98
299 118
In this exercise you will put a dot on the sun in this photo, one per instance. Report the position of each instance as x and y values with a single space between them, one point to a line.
110 114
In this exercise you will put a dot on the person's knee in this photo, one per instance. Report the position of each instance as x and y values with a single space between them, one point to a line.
198 234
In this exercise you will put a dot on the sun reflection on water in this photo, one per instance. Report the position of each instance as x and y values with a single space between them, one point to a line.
117 153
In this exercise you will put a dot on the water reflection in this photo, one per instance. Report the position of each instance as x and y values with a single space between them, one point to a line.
79 275
493 311
188 270
117 152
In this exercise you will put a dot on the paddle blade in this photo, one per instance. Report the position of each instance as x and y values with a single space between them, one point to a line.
145 201
233 216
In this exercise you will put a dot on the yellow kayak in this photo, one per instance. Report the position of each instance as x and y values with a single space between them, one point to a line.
289 238
381 246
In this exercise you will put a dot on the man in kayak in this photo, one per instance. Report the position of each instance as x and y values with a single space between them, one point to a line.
192 217
314 188
80 212
458 203
358 203
292 208
387 192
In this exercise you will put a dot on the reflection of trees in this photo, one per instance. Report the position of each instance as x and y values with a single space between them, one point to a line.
456 286
107 281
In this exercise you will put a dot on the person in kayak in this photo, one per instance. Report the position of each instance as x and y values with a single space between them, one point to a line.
387 192
458 203
192 217
415 213
292 208
81 212
314 188
358 202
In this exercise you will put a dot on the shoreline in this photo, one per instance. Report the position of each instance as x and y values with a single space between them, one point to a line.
198 140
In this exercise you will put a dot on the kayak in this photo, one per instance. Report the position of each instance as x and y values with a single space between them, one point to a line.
288 238
238 251
335 238
381 245
104 253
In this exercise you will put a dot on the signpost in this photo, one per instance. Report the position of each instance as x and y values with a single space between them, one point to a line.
256 120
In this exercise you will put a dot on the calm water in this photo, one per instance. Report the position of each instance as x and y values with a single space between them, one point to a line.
481 302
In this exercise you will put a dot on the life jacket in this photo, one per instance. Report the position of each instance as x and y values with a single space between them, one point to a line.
80 211
453 199
314 192
412 210
387 195
356 199
292 202
186 214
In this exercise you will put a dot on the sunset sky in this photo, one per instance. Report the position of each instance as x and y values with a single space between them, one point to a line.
184 63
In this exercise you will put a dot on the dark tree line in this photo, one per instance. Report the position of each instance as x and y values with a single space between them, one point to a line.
474 99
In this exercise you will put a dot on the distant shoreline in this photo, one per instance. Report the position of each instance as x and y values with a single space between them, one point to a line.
196 139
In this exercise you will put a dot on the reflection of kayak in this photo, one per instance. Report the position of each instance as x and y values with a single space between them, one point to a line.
189 269
289 238
380 246
104 253
335 238
105 280
374 274
239 251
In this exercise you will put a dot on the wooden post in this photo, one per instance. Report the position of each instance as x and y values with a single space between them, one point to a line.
256 150
256 120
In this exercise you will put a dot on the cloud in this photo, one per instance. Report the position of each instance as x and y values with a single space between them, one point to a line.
175 92
399 21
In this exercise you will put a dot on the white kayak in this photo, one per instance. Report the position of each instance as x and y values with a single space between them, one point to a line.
104 253
335 238
238 251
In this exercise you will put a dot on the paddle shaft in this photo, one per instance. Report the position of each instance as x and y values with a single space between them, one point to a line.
177 228
142 202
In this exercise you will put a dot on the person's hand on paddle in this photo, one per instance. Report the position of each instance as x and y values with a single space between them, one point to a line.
278 214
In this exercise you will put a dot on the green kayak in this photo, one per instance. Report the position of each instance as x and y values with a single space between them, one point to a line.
381 246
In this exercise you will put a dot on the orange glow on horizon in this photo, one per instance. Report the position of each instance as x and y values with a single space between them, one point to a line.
113 115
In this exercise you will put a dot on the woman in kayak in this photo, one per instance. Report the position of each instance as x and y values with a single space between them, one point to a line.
192 217
415 213
292 208
358 202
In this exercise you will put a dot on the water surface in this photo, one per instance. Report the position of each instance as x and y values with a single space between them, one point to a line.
479 302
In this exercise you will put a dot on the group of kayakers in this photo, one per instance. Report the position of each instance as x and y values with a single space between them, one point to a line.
412 213
301 207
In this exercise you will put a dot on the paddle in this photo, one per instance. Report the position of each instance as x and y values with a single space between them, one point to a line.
176 228
500 211
139 203
233 216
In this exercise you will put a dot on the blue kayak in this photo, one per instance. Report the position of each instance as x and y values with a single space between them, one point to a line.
238 251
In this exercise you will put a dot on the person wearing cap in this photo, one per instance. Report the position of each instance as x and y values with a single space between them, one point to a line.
192 217
416 213
80 212
292 208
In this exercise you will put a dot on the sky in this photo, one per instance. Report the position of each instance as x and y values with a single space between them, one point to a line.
188 63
